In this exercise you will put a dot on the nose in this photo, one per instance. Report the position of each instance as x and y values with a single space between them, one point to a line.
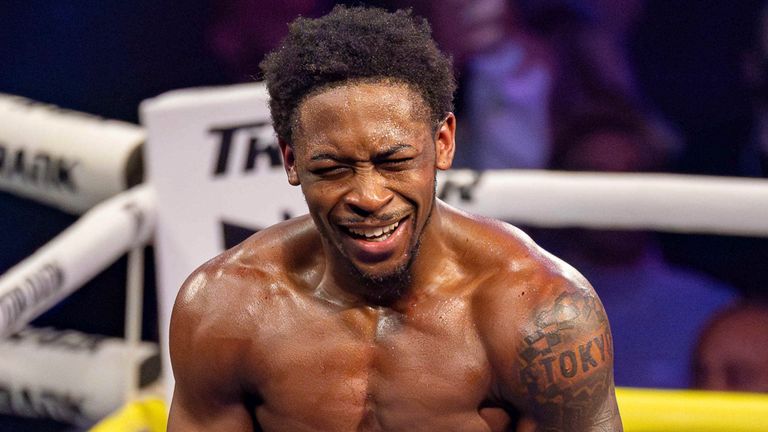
368 194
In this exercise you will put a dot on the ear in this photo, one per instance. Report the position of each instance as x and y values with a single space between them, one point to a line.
289 162
445 142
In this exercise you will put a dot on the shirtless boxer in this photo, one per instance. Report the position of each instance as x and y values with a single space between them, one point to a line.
384 309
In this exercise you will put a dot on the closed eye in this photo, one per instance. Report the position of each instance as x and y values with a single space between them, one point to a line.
395 164
329 171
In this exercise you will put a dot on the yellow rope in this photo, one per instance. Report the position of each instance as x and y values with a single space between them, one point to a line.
642 410
142 415
646 410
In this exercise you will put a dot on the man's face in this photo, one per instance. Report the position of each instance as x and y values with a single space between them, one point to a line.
365 156
733 354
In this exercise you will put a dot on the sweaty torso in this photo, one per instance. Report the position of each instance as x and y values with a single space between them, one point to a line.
301 359
310 363
499 328
360 368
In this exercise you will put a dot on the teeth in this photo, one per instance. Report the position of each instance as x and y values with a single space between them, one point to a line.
375 233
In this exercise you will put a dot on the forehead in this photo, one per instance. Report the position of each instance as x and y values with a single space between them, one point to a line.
382 109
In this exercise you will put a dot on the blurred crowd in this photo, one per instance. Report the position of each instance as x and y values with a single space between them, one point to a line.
575 85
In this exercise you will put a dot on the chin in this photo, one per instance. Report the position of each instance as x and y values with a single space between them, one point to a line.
402 271
385 287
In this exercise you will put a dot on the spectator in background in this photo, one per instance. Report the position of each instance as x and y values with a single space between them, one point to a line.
732 351
589 41
527 65
241 32
656 310
754 158
506 74
715 87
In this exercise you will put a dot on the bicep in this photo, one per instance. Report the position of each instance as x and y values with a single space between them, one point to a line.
564 366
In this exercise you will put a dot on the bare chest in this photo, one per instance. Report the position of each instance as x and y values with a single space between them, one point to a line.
344 371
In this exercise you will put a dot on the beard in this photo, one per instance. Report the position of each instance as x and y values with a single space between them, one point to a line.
384 289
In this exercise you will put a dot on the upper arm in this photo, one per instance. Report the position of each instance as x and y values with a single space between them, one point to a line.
207 395
553 356
564 365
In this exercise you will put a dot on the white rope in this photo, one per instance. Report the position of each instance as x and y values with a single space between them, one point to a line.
66 159
67 375
631 201
83 250
663 202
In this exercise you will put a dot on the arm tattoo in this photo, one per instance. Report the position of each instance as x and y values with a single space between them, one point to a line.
566 366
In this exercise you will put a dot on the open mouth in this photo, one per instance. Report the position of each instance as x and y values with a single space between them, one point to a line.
374 244
373 234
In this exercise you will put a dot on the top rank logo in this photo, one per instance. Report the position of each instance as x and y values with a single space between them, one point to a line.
256 140
39 169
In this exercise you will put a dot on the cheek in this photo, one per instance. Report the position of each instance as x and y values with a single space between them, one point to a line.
322 195
411 185
422 181
421 173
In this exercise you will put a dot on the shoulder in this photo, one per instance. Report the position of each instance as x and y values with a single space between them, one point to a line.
514 268
265 263
545 330
219 316
519 283
223 300
528 288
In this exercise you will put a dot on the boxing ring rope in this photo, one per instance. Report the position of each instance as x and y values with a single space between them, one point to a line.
661 202
645 410
121 224
65 159
72 161
83 250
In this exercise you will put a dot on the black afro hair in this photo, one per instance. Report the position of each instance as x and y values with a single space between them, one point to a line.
356 43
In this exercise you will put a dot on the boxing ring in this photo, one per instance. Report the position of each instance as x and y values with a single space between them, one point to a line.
214 175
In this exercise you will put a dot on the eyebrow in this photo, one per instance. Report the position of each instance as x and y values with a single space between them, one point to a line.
323 156
392 150
383 155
